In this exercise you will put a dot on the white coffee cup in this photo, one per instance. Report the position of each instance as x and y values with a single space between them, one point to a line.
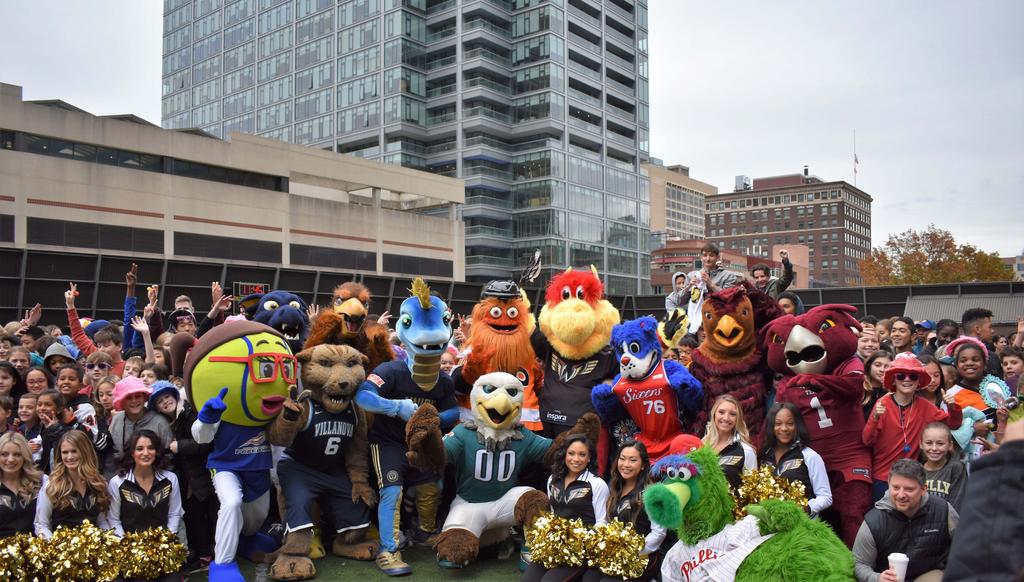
899 563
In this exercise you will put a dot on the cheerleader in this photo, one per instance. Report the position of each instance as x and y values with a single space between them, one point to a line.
19 485
144 495
787 451
727 434
75 491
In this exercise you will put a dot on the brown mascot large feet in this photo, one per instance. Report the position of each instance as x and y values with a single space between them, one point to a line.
354 546
293 561
529 506
456 547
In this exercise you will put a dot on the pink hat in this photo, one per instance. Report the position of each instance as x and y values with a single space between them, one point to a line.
906 363
126 387
960 342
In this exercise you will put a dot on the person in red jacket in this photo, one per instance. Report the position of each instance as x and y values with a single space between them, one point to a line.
108 341
894 428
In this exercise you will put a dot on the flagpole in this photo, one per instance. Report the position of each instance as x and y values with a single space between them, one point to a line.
855 157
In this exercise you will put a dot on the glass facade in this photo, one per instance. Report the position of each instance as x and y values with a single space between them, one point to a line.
546 123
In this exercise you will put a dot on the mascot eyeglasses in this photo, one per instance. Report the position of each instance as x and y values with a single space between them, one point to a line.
264 367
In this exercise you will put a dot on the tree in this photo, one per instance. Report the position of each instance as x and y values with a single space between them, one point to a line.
931 256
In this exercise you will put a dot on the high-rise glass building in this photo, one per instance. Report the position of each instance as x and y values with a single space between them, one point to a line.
541 107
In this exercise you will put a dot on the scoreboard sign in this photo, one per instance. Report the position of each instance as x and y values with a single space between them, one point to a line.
241 289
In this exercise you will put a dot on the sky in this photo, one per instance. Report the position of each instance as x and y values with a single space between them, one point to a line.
934 90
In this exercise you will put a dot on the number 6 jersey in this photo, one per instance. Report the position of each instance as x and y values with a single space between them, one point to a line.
321 442
484 475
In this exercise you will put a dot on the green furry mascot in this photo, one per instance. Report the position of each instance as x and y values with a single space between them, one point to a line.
777 541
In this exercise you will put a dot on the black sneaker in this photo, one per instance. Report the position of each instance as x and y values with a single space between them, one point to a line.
424 538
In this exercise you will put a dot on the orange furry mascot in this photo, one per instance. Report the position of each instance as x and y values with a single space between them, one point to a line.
347 324
499 341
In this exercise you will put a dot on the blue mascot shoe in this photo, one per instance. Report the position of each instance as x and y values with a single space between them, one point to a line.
259 547
225 572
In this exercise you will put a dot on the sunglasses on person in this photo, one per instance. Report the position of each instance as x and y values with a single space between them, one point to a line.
101 366
911 377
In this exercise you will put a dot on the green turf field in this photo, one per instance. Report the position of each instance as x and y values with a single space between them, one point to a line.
424 567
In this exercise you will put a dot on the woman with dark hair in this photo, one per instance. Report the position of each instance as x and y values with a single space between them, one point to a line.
874 376
936 387
787 451
75 491
629 478
901 335
144 494
575 493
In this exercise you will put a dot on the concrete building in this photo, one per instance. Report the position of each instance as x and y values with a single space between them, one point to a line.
74 182
833 218
541 108
677 201
684 255
1017 264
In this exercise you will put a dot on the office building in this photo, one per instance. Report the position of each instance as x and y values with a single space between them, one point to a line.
832 218
540 108
677 201
75 184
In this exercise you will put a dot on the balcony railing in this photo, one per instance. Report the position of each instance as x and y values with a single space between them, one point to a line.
581 96
585 17
585 43
485 112
439 63
487 171
441 147
623 40
441 118
409 148
620 86
503 4
577 122
585 71
617 11
580 151
620 112
438 35
489 55
485 82
486 25
439 91
487 201
614 58
440 7
488 231
489 260
621 139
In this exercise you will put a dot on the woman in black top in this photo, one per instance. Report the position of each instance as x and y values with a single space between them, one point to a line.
727 434
19 485
144 495
575 493
75 491
629 478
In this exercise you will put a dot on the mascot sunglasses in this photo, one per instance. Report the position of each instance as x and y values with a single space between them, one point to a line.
268 365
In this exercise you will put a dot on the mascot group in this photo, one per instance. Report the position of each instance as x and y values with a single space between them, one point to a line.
325 411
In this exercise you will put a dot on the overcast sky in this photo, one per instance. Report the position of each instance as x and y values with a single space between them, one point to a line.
934 90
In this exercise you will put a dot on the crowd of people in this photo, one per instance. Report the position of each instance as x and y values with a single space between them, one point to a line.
93 426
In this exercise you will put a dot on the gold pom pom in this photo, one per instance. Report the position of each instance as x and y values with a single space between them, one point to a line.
615 550
761 484
556 541
152 553
85 553
22 557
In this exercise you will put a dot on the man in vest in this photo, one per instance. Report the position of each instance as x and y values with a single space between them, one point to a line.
906 521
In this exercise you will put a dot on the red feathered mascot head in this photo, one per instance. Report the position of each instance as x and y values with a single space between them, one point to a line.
813 343
576 318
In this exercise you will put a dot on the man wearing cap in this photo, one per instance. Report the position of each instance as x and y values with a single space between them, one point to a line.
182 320
905 521
921 331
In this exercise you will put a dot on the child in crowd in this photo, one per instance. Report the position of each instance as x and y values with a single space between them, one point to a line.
867 342
75 491
448 358
6 414
894 428
787 451
38 378
197 492
130 396
874 374
133 366
56 420
69 384
687 344
11 382
946 475
936 388
97 366
102 399
56 356
152 372
1012 360
28 424
976 392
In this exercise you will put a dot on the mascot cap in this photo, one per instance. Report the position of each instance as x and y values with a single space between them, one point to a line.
501 289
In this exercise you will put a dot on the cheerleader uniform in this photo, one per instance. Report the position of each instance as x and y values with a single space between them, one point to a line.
586 499
132 509
81 508
16 514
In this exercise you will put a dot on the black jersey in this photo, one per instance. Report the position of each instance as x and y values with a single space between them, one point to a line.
627 506
139 510
322 441
565 395
584 499
394 381
731 460
792 467
80 508
16 514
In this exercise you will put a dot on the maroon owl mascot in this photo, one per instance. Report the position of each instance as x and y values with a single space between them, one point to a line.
731 358
817 355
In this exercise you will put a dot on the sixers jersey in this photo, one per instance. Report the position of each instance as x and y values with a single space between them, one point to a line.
835 419
240 448
651 403
321 443
394 381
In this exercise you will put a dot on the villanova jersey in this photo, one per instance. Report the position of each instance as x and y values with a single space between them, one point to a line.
651 403
484 475
321 443
240 448
394 381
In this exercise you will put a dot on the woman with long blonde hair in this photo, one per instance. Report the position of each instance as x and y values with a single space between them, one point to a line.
727 434
20 481
75 491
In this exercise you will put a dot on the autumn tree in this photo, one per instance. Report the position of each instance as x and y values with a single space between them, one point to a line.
931 256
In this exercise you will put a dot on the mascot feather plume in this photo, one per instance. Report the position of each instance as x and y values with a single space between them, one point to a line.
499 341
730 361
575 327
776 541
